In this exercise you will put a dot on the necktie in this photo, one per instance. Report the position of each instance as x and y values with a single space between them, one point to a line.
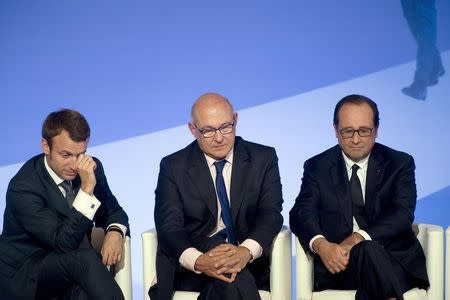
223 199
70 197
357 198
70 194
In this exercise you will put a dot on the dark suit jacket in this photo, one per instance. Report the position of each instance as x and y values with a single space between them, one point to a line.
186 204
324 205
38 221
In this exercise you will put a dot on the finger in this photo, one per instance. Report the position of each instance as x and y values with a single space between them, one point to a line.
230 267
223 278
221 248
222 256
226 262
105 258
79 158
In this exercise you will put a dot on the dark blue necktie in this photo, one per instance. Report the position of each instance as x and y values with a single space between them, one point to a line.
225 205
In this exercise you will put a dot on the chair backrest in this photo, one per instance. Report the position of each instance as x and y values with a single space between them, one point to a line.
447 263
431 239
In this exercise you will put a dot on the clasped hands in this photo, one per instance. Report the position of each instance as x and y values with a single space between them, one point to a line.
222 260
334 256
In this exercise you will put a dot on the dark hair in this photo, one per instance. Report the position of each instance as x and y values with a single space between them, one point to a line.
66 119
357 99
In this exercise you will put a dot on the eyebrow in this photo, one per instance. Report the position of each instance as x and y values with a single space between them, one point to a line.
224 124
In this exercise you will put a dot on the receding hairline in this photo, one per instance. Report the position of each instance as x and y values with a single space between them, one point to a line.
209 98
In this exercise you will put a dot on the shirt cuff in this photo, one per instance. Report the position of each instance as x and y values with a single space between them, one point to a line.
86 204
254 247
364 234
188 258
312 241
122 227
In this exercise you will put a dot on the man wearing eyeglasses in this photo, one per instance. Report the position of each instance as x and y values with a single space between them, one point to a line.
355 210
217 210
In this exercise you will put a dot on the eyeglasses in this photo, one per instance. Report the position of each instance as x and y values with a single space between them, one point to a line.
209 132
349 132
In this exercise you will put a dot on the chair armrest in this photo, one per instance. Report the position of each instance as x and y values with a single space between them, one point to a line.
149 246
281 266
447 263
304 269
432 241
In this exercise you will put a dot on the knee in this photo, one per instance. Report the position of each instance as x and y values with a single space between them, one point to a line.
368 250
87 256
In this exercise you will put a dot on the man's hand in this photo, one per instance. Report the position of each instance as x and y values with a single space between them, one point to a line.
233 260
112 248
352 240
219 257
334 256
85 168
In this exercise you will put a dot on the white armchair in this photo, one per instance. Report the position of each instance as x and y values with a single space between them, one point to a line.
280 267
447 263
123 269
429 236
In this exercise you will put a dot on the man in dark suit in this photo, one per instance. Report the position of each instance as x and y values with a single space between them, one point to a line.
51 205
355 210
217 210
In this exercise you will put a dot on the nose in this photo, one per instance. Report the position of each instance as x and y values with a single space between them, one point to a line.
218 138
73 162
356 138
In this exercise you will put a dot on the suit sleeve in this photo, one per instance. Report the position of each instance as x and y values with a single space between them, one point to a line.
268 216
110 210
45 224
169 216
304 216
399 202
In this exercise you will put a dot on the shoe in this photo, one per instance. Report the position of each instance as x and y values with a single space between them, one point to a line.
416 90
434 79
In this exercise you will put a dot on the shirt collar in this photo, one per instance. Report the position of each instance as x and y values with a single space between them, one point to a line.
52 173
229 158
362 163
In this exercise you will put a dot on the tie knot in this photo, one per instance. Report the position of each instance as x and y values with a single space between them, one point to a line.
219 165
355 168
67 186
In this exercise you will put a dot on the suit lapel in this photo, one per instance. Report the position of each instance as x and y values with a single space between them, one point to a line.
55 198
239 173
375 170
200 177
339 177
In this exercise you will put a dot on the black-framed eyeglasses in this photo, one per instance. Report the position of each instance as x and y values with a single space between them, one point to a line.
350 132
209 132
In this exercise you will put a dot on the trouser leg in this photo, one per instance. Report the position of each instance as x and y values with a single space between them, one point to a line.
76 275
377 274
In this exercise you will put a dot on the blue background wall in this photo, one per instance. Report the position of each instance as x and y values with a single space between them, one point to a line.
135 69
